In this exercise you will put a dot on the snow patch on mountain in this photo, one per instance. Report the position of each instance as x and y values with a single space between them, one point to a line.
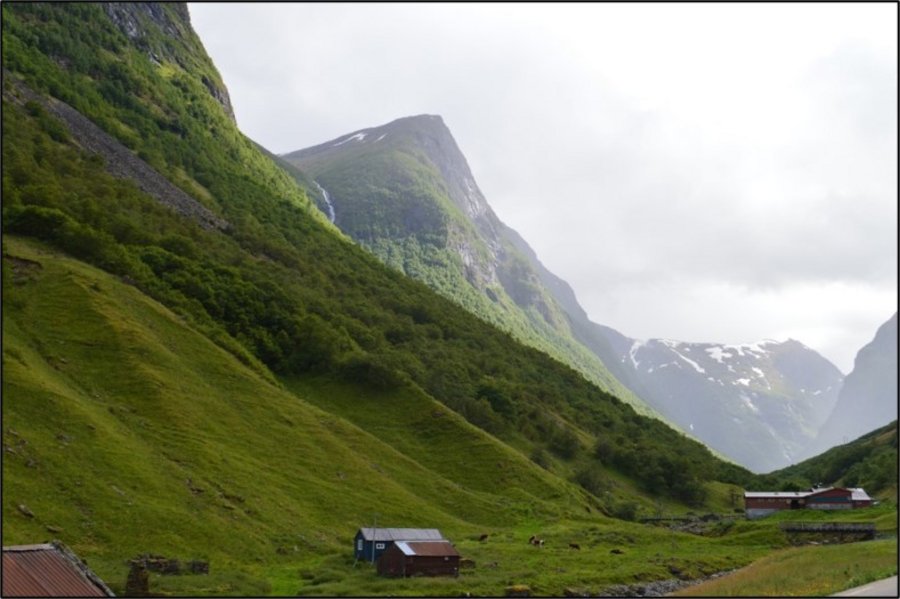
717 353
356 136
747 402
691 362
633 351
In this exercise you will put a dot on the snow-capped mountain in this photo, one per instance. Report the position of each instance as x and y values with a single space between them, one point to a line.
758 403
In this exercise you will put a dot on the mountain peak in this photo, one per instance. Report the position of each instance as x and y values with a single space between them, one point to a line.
425 121
424 136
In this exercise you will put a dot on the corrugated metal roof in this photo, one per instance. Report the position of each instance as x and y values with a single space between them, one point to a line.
859 495
401 534
783 494
48 570
788 494
433 548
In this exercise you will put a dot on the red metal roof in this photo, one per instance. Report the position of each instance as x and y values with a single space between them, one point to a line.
48 570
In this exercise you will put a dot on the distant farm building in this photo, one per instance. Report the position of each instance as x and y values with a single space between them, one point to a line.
48 570
759 504
370 543
423 558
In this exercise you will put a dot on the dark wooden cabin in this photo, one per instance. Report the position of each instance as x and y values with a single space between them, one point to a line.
422 558
370 543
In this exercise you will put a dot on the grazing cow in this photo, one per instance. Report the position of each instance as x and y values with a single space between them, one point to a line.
483 537
574 546
536 541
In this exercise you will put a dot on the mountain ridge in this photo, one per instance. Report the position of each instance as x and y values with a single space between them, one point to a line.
487 263
404 190
868 397
249 395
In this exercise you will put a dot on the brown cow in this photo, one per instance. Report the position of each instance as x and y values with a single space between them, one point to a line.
574 546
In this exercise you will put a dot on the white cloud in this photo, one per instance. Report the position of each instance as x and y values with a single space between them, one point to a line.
720 172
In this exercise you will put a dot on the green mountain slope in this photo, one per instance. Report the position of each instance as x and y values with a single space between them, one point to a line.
275 285
185 448
185 331
404 191
188 453
869 462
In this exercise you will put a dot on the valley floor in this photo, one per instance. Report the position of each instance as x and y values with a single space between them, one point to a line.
611 553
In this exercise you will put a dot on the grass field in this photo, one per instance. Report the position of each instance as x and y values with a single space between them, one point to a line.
806 571
126 431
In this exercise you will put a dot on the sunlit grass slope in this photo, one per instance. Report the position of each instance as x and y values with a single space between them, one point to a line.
128 432
132 433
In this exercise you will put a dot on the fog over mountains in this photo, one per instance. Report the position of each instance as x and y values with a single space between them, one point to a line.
404 190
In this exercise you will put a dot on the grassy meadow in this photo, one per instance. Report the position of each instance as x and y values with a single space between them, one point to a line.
126 431
806 572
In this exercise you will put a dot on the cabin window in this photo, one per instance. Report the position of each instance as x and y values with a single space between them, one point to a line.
379 545
359 545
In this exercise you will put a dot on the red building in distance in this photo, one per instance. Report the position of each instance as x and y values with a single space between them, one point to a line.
762 503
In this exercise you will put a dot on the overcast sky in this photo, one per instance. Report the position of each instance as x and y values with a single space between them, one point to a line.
721 173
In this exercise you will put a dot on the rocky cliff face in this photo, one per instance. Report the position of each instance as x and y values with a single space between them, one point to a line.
868 397
155 27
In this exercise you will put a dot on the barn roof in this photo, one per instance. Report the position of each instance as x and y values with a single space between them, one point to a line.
401 534
432 548
856 494
780 494
859 495
48 570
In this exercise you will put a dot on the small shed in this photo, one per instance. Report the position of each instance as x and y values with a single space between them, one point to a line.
424 558
48 570
370 543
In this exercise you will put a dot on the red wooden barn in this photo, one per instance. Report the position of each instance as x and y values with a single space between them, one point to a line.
427 558
759 504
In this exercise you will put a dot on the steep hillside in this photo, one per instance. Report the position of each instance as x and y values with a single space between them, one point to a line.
174 305
868 397
187 452
869 462
404 191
